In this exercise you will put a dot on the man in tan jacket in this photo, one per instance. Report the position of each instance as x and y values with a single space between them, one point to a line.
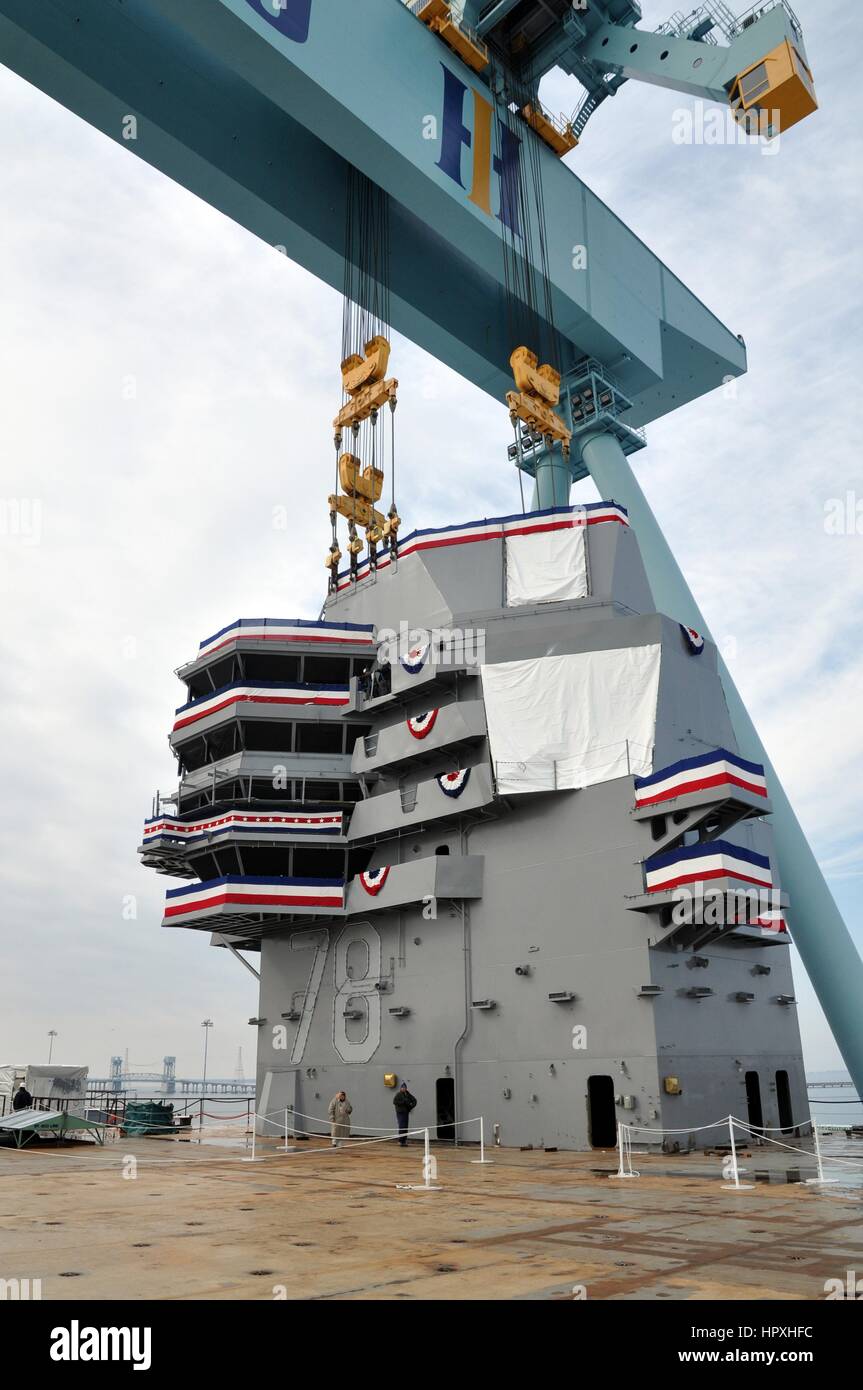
339 1115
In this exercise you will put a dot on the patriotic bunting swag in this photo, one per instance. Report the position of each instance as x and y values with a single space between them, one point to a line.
416 658
422 724
453 783
373 880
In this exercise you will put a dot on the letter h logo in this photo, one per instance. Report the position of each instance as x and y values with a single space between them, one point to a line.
456 136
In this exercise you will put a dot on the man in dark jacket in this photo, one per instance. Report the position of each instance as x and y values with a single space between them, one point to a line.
22 1100
404 1103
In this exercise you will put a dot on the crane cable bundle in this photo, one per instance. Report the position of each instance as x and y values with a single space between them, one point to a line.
366 390
527 281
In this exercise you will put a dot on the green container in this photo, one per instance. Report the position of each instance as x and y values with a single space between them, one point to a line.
148 1117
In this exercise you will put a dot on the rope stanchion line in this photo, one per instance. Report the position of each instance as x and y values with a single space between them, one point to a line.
759 1134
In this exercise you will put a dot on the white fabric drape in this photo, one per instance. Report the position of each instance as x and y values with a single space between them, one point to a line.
546 567
571 721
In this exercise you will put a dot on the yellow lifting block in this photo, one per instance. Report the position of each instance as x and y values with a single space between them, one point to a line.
774 94
539 417
369 483
535 380
357 509
367 399
558 135
358 372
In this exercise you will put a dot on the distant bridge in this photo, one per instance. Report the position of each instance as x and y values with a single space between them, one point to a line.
123 1080
131 1080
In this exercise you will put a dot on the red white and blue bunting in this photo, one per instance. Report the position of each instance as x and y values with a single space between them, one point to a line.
694 639
494 528
772 922
704 863
373 880
252 825
230 697
422 724
416 658
236 895
718 772
300 631
453 783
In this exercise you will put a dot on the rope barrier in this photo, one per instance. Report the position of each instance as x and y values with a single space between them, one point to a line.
625 1133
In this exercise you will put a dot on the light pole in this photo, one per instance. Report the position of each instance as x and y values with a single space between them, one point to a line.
52 1034
206 1025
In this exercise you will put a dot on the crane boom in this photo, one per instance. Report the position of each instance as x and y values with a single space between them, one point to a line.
260 110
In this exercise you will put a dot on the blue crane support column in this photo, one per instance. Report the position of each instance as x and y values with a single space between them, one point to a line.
819 932
553 482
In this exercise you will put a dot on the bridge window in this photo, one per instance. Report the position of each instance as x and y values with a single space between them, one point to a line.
319 738
271 666
319 863
262 735
326 670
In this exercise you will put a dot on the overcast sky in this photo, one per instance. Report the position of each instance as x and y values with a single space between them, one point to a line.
167 382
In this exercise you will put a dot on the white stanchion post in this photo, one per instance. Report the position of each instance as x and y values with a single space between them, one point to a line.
624 1145
287 1148
428 1163
482 1158
733 1153
738 1185
246 1158
820 1180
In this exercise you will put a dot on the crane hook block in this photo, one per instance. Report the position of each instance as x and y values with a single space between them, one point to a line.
367 400
358 372
357 509
535 380
537 395
368 484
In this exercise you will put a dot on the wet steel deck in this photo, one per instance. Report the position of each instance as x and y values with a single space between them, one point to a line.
198 1223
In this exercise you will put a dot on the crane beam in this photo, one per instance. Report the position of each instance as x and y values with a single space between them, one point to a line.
259 106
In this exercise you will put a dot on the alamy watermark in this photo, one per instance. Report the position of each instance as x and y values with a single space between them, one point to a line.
735 907
843 516
703 124
437 646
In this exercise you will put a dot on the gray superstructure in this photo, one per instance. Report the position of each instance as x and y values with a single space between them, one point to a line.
513 961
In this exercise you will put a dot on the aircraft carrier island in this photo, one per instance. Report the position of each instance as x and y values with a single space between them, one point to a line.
489 829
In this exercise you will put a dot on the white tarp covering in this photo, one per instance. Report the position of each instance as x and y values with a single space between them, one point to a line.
571 721
53 1082
546 566
7 1081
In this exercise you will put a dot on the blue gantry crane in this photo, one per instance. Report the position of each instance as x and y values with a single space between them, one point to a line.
263 107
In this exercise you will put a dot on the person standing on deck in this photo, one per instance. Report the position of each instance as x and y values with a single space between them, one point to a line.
22 1100
404 1103
340 1118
